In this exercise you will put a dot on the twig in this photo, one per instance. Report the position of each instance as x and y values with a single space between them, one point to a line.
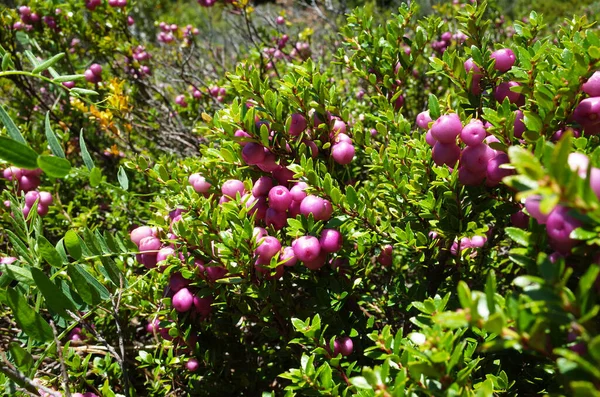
19 377
63 368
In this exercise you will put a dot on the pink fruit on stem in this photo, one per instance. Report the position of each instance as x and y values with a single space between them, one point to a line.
473 133
280 198
343 153
267 248
345 345
12 173
243 136
559 225
253 153
147 259
519 126
505 59
298 191
476 83
141 232
164 253
446 128
385 257
288 257
306 248
317 206
182 300
587 114
149 243
214 273
592 86
532 205
31 197
262 186
96 69
29 182
202 306
276 219
331 240
177 282
46 198
297 125
423 120
445 153
192 365
494 172
283 175
476 158
520 219
431 141
294 209
578 162
199 183
339 127
470 178
503 90
231 187
316 263
259 232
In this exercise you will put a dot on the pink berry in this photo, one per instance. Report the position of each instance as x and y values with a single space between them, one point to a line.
476 83
592 86
182 300
339 127
177 282
445 153
202 306
559 226
147 259
192 365
519 126
12 173
431 141
318 262
446 128
331 240
231 187
280 198
345 346
214 273
343 153
493 170
298 191
423 120
262 186
253 153
505 59
520 219
470 178
503 90
578 162
306 248
31 197
475 158
473 133
29 182
297 125
320 208
587 114
150 243
267 248
275 218
141 232
532 204
243 137
96 69
288 257
164 253
199 183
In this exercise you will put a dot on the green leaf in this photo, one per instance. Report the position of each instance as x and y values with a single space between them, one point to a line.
52 140
464 295
122 177
87 159
31 322
19 273
48 252
56 300
11 128
48 63
525 162
17 154
20 357
83 91
90 290
95 177
68 77
54 166
519 236
73 244
434 107
360 382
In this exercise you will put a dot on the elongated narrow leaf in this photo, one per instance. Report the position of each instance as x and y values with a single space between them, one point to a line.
28 319
20 356
48 62
11 127
20 273
87 159
56 300
54 166
122 177
68 77
90 289
17 154
83 91
52 140
48 252
72 244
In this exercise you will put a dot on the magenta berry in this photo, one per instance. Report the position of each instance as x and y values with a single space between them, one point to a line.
141 232
475 158
343 153
275 218
559 226
592 86
306 248
445 153
288 257
253 153
505 59
280 198
297 125
446 128
320 208
473 133
532 205
262 186
587 114
182 300
232 187
267 248
344 345
177 282
504 91
331 240
423 120
192 365
298 191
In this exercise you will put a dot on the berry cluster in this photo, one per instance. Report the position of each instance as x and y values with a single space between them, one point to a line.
28 181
